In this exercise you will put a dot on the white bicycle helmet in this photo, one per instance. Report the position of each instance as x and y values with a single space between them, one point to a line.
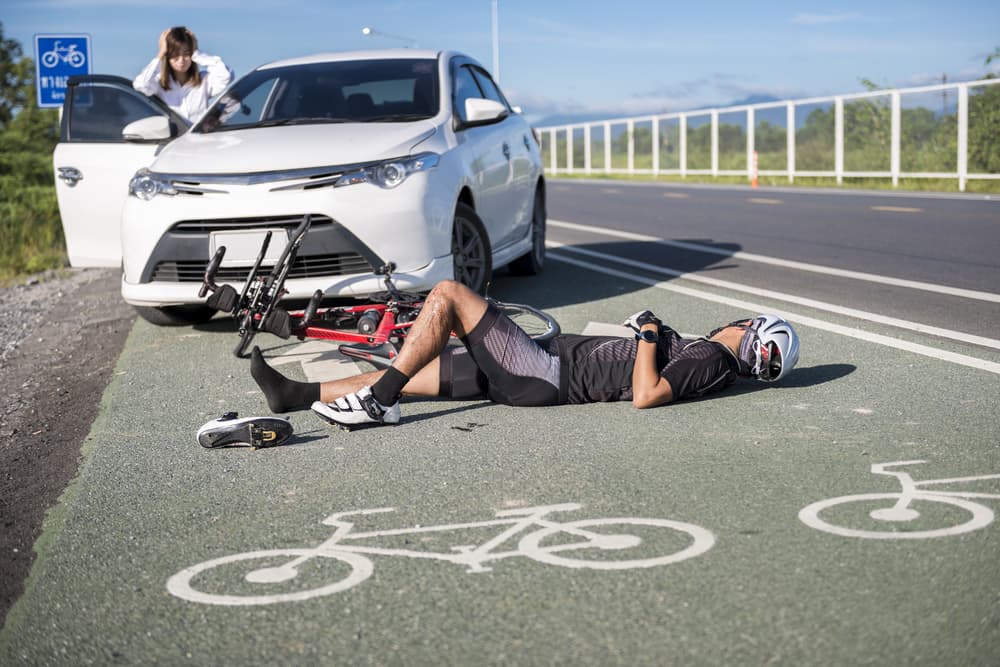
776 348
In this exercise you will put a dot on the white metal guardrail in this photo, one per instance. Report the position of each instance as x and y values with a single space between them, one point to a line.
947 131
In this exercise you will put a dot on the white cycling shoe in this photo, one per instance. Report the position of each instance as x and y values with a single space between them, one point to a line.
357 409
230 430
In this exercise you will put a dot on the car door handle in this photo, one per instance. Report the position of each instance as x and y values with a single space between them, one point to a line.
506 150
70 175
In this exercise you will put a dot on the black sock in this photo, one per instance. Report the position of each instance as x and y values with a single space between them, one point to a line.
283 395
389 387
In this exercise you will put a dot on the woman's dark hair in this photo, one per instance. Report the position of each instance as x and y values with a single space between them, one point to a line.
179 40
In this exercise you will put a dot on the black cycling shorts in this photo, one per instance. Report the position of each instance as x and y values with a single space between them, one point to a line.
500 362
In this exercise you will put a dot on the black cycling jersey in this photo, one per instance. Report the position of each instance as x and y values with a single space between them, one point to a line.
599 368
502 363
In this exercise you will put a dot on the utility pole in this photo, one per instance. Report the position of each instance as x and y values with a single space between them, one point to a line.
496 44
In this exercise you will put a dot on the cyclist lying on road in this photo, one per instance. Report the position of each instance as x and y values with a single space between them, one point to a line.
501 362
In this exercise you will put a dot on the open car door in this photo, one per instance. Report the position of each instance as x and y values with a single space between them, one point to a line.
94 163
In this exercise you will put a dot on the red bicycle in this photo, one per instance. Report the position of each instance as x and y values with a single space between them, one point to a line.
373 330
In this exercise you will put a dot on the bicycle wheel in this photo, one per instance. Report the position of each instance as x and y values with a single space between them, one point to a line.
537 323
180 585
701 540
810 515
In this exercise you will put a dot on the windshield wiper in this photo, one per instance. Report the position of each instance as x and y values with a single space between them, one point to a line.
275 122
397 117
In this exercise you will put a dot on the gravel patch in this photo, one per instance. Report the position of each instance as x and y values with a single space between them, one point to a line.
60 336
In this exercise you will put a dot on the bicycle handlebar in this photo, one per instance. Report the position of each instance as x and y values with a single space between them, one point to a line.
208 283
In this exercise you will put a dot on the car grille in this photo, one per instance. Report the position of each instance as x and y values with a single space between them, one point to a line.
229 224
310 266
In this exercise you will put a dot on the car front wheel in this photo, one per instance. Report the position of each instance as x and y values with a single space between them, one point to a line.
470 250
533 261
175 316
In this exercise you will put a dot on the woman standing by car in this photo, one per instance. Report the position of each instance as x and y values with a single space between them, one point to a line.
175 75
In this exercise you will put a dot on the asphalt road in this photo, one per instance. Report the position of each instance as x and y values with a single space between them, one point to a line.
762 526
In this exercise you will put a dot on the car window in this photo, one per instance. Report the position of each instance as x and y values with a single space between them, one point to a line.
99 112
490 89
344 91
465 88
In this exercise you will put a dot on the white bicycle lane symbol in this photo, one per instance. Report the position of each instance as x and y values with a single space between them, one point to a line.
568 539
67 54
900 511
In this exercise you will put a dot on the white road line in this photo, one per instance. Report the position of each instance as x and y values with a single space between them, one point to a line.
897 209
790 298
774 261
879 339
764 200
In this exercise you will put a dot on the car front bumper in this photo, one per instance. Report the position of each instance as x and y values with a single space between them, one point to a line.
169 240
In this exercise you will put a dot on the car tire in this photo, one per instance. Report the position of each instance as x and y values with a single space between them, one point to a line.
175 316
470 249
533 261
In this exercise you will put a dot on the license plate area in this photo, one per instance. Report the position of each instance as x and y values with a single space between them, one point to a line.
243 247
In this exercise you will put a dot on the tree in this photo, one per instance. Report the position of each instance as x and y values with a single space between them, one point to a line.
23 126
13 92
984 125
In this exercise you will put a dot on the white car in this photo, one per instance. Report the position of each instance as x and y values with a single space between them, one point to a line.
403 156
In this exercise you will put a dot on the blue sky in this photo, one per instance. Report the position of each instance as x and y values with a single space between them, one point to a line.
565 57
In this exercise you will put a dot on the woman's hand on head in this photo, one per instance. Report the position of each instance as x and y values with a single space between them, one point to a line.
163 44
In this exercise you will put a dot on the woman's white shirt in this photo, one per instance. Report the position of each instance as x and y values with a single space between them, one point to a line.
188 100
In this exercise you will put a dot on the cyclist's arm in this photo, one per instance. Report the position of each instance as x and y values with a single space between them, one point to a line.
649 388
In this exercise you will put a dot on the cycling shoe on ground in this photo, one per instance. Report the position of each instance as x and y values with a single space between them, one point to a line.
357 409
230 430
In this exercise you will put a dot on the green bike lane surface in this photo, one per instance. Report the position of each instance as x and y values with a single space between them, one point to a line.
149 502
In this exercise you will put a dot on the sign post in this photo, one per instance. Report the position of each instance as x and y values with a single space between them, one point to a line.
58 57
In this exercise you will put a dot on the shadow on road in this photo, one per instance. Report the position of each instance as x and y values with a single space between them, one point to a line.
563 284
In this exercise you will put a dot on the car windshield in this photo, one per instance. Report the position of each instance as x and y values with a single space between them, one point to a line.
355 91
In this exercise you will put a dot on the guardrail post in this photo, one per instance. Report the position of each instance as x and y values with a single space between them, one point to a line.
683 124
607 148
569 150
963 136
553 158
656 146
838 138
715 143
894 141
790 140
750 145
586 149
630 125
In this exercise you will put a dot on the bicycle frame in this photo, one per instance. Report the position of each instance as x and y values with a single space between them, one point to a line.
381 322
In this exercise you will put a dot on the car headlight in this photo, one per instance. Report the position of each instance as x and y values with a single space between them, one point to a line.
145 185
391 173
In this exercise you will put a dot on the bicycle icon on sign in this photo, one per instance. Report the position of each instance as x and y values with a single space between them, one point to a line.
67 54
901 510
567 544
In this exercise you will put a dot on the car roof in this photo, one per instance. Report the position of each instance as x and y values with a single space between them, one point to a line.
368 54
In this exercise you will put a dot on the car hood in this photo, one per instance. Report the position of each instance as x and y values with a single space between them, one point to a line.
290 147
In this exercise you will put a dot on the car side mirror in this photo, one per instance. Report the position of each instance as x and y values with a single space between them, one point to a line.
152 128
479 111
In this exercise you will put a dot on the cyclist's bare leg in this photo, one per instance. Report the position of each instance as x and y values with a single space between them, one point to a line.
450 307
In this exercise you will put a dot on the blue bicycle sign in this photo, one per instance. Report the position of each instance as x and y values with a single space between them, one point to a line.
58 57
